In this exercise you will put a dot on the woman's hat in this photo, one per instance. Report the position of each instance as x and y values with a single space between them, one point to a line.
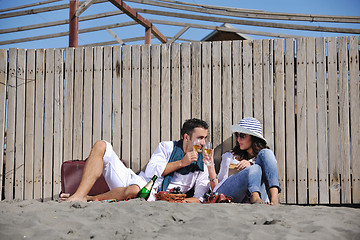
249 126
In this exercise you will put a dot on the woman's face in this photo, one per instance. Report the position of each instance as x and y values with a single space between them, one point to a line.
244 140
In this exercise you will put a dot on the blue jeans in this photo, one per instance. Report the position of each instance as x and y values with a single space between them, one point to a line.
257 178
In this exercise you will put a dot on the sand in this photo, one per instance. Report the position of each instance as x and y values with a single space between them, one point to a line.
138 219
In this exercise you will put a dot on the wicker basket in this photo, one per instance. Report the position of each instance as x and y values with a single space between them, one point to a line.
170 197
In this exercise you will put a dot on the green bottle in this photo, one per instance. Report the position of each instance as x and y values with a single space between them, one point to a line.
145 191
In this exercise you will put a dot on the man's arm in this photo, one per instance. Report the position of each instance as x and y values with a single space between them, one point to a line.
185 161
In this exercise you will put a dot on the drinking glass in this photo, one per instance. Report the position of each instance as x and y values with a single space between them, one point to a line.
197 145
208 150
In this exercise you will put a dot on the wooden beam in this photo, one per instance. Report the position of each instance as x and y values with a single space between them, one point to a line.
147 35
138 18
181 32
73 24
28 5
115 36
83 7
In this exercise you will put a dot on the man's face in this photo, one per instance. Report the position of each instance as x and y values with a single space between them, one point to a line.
198 133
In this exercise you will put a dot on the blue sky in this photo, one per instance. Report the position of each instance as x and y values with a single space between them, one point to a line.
326 7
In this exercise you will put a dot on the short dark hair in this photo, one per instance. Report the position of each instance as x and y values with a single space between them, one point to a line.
190 124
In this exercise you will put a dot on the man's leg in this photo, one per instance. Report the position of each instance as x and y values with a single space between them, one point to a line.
92 171
120 194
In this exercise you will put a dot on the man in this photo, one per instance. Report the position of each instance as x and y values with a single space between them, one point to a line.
175 164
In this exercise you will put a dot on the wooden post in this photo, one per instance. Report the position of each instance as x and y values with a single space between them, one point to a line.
147 35
73 24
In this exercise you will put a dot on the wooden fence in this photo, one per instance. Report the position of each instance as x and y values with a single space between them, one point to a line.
55 103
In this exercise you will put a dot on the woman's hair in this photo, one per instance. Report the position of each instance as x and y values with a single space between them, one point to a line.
257 145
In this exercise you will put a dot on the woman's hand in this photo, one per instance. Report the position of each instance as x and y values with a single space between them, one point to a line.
243 164
208 159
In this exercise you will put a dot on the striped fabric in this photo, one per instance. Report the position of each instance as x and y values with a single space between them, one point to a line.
251 124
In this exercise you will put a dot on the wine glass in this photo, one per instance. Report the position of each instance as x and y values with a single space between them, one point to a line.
208 150
197 145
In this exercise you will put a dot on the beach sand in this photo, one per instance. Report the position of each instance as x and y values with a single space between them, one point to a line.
138 219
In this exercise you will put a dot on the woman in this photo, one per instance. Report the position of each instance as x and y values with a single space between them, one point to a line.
255 165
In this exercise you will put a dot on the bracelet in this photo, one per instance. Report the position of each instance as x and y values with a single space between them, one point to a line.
213 179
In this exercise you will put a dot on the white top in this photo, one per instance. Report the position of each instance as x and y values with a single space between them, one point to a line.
157 164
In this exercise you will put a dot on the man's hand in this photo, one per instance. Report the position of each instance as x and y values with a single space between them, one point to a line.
189 158
243 164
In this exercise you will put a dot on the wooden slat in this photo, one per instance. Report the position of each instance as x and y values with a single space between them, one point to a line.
355 116
311 121
78 103
226 96
186 82
145 105
206 86
135 102
280 113
58 118
49 124
237 92
334 152
258 80
216 103
88 100
290 122
165 93
3 83
175 91
107 94
322 120
247 79
98 85
68 103
126 101
39 123
196 80
116 108
344 120
155 97
268 126
301 121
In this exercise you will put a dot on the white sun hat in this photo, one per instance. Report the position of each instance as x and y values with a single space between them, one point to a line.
249 125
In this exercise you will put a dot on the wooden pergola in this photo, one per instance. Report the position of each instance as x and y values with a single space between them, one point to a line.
190 15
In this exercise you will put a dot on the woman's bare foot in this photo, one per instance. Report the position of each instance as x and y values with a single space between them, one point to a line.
65 197
255 198
274 196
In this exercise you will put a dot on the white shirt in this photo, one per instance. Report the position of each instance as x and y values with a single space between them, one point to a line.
157 164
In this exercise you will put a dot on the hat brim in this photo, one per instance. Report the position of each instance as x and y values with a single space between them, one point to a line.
240 129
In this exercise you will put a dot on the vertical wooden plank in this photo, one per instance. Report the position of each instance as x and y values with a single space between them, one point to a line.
39 123
280 113
196 80
344 120
355 116
268 126
206 94
301 121
226 96
258 81
311 121
175 91
58 118
69 103
78 103
3 83
136 123
247 79
186 82
48 123
165 92
88 101
155 97
145 105
107 94
20 124
98 96
322 120
10 134
126 140
117 69
334 155
237 92
290 122
216 103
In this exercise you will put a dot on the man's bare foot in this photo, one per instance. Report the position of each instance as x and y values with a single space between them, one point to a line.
65 197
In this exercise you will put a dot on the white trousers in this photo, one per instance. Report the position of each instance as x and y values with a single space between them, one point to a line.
115 172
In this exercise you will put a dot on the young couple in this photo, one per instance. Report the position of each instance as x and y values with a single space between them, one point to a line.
177 165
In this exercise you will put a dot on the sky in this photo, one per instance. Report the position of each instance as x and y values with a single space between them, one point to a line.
324 7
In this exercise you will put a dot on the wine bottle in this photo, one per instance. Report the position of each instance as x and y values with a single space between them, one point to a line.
145 191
